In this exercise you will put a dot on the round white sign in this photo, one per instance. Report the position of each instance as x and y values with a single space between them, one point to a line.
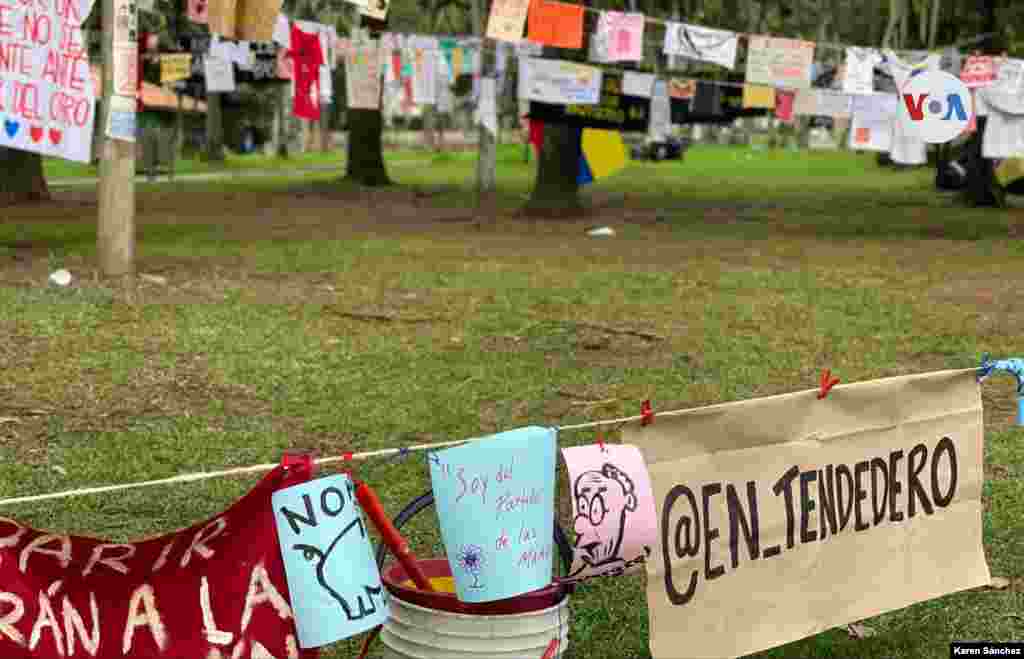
935 107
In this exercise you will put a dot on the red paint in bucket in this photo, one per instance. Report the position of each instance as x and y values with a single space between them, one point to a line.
394 576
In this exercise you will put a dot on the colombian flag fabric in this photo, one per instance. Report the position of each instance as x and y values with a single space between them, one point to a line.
602 152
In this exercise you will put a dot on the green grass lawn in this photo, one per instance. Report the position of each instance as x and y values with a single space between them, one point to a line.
759 269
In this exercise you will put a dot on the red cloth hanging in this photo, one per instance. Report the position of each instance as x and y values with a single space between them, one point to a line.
307 58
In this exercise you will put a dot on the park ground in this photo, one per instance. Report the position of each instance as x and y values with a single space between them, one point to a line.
296 311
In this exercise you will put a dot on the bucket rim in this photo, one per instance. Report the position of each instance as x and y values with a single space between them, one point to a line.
394 575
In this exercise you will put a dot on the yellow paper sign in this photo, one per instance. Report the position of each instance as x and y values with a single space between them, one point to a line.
175 67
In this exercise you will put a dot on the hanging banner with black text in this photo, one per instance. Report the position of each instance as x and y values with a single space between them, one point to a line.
782 517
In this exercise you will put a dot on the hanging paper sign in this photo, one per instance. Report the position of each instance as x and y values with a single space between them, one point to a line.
121 119
556 81
797 515
495 503
328 560
126 21
220 75
614 519
637 84
624 33
614 110
507 20
1008 79
701 43
215 589
780 62
376 9
870 134
126 69
978 71
47 99
175 67
198 11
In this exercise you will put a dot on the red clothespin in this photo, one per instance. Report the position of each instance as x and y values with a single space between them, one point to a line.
552 649
298 459
646 413
827 382
600 440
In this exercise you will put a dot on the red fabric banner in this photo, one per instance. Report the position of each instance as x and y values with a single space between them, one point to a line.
216 590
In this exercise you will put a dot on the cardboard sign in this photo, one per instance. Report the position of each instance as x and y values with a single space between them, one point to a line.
47 99
495 500
785 516
215 589
328 559
779 62
613 504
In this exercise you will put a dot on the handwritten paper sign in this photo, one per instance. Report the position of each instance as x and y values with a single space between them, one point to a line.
328 560
507 20
495 502
559 82
701 43
175 67
362 78
121 120
220 75
47 99
624 35
614 111
978 71
215 589
780 62
784 516
614 520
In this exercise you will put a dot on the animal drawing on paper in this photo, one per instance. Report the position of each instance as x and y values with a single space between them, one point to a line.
604 499
327 558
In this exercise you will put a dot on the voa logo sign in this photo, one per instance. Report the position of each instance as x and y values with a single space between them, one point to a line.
936 107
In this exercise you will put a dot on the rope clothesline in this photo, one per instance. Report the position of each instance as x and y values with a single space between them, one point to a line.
258 468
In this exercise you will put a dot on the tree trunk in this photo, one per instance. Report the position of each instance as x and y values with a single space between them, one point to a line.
933 31
487 150
214 129
23 177
556 191
280 137
429 120
365 150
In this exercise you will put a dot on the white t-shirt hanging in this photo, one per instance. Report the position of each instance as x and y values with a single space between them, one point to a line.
282 31
1004 129
1009 76
860 70
908 149
701 43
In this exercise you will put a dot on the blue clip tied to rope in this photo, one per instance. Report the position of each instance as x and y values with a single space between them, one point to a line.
1014 367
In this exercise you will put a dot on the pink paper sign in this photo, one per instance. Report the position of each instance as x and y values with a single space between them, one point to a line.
625 35
614 518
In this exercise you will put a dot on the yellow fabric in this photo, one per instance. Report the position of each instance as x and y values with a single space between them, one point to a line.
604 150
456 62
440 584
757 96
1010 170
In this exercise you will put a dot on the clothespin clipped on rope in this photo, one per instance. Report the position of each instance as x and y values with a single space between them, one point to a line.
646 413
600 440
827 382
299 459
1014 367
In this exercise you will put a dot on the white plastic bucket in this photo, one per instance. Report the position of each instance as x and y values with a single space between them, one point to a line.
415 632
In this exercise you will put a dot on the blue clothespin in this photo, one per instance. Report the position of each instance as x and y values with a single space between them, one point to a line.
1014 367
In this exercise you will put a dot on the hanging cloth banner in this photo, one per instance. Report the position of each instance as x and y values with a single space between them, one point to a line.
784 516
613 111
215 589
779 62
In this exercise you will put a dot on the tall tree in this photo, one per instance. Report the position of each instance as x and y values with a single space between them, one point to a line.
24 181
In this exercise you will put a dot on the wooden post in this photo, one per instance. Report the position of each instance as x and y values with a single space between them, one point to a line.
116 231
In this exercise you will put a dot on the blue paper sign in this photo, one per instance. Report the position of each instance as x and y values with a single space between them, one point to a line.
495 501
333 579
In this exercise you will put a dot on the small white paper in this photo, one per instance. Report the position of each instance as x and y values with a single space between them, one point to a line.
220 75
121 120
487 107
637 84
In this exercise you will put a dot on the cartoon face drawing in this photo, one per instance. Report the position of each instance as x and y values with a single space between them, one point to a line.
602 499
322 560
